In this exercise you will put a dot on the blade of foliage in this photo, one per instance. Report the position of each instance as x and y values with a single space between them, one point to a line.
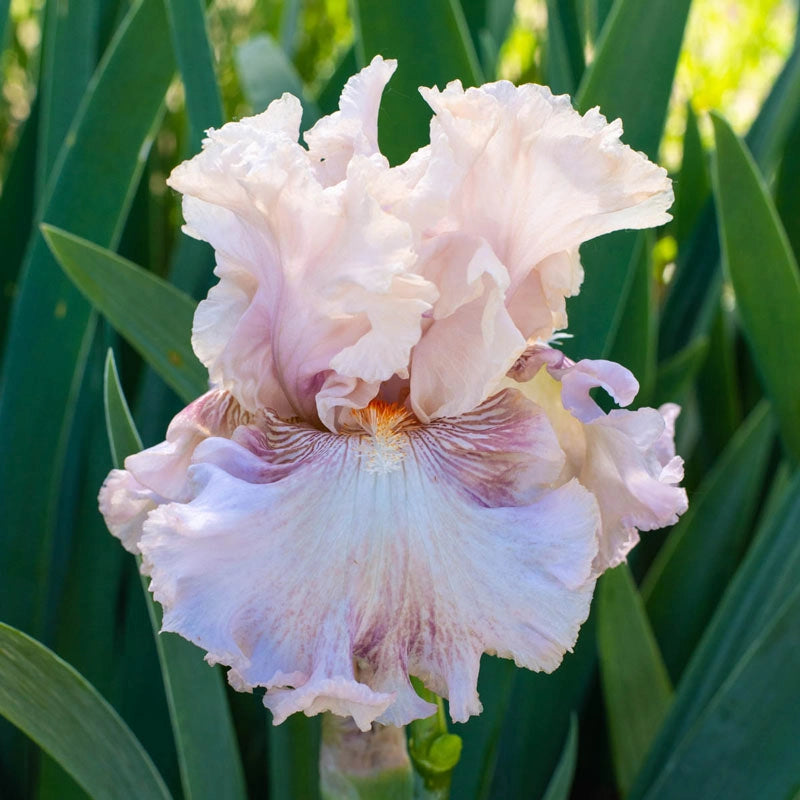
762 585
472 776
602 13
5 8
70 38
744 744
701 554
89 194
201 721
91 631
123 438
764 274
158 324
290 16
632 71
564 62
767 136
630 77
561 782
718 388
694 291
187 25
488 23
676 374
294 758
636 687
694 184
266 73
499 16
596 313
430 40
16 213
787 200
538 719
65 715
475 17
693 294
635 342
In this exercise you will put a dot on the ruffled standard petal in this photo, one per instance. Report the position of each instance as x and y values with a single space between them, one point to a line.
159 474
472 341
353 129
625 458
328 567
317 301
531 179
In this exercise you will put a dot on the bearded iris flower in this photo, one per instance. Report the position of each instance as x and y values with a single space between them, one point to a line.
394 472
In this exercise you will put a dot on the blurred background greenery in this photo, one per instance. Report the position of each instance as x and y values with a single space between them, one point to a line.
685 680
732 51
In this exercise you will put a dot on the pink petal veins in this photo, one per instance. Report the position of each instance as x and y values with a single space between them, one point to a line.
328 567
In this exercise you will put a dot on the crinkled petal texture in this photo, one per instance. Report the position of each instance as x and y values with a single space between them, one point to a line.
318 301
625 458
527 179
328 567
159 474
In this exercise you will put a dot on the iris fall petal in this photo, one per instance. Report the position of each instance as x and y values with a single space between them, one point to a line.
625 458
422 548
387 480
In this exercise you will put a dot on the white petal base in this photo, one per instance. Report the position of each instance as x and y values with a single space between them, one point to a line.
329 567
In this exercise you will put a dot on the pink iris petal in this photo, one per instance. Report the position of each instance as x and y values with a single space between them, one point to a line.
360 499
159 474
318 301
530 179
625 458
328 567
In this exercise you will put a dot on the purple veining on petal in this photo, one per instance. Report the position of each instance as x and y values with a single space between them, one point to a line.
299 552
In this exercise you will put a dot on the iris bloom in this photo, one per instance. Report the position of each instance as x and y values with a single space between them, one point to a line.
393 472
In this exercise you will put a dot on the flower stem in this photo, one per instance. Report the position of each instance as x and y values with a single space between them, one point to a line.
363 766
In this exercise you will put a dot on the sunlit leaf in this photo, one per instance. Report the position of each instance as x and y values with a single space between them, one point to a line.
630 77
694 182
744 744
636 687
430 40
98 167
195 59
701 554
69 37
633 67
65 715
693 295
635 343
158 324
564 62
765 277
764 582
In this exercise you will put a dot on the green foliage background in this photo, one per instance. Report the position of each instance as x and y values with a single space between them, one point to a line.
686 680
